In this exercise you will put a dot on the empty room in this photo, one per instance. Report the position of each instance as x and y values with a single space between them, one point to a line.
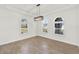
39 29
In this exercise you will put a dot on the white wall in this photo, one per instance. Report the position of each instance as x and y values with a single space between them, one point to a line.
10 26
77 27
70 26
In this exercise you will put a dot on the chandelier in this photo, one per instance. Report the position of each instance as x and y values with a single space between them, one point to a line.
39 17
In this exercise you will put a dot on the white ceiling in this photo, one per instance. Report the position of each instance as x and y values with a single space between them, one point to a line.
32 9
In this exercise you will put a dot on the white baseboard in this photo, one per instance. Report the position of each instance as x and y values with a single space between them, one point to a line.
72 43
6 42
41 36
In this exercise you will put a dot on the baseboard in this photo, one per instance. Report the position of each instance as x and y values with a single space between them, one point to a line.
3 43
70 43
38 36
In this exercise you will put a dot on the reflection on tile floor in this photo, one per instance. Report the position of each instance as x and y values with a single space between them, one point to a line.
38 45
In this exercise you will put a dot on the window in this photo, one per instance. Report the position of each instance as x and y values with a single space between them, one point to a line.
24 26
45 24
59 26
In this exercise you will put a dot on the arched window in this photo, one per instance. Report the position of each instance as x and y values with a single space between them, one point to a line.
59 26
45 24
24 26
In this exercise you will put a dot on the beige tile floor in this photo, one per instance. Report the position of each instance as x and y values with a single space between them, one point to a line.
38 45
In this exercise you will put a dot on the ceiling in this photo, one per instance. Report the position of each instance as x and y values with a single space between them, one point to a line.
31 9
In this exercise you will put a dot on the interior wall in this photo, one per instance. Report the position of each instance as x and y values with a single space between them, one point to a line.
70 26
77 26
10 26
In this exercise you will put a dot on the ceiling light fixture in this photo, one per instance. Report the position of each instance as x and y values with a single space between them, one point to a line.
38 17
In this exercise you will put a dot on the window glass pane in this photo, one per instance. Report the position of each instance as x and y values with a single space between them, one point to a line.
45 24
